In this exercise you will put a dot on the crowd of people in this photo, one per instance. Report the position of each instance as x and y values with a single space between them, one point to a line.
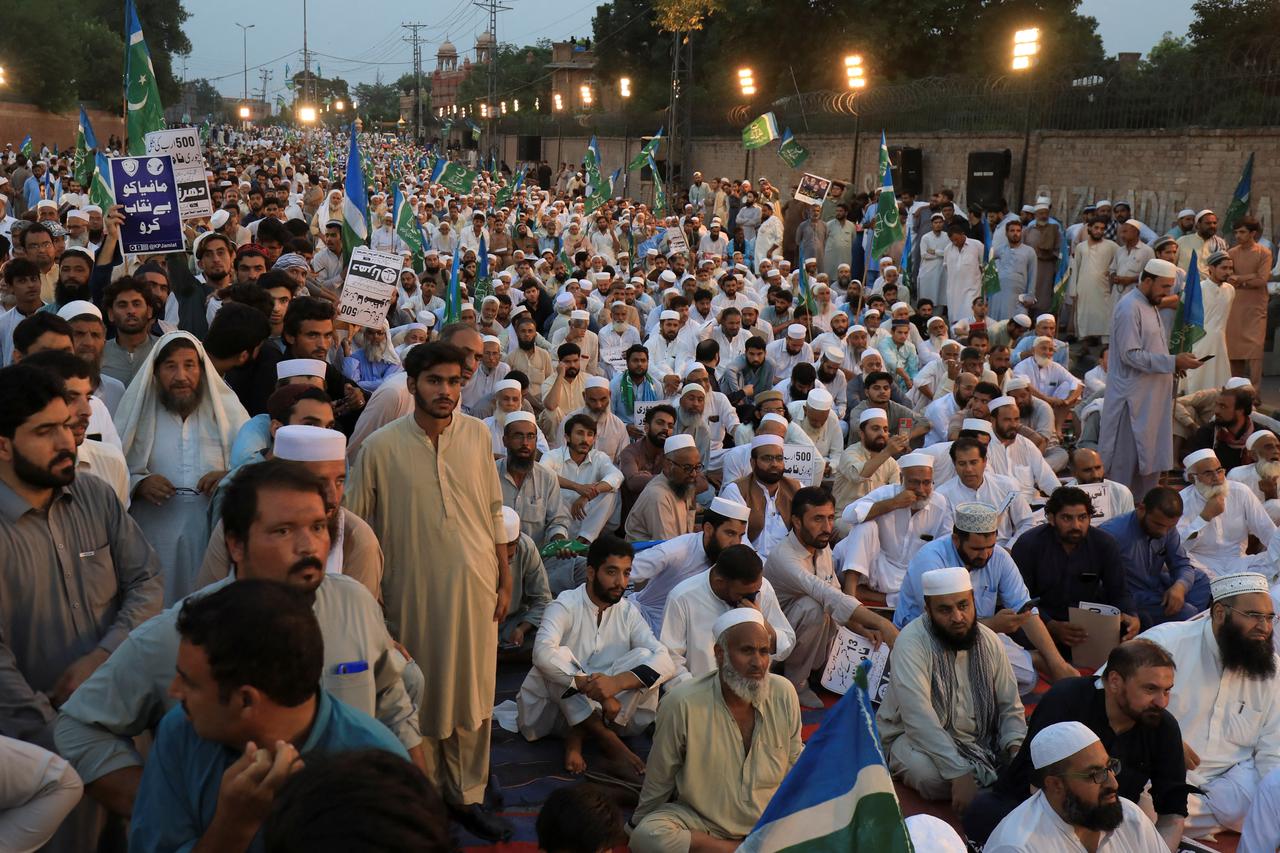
261 566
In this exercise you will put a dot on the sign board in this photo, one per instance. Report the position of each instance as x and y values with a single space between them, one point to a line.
640 408
802 462
615 356
183 145
1100 496
147 189
676 241
848 651
812 189
1102 622
369 286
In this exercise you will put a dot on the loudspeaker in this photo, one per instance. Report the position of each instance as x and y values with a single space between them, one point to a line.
988 170
907 169
529 148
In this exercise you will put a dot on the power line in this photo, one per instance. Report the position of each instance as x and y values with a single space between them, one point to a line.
416 40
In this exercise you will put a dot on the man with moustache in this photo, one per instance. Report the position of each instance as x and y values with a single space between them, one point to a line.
868 463
529 487
768 493
665 509
1219 516
952 719
642 460
1263 474
129 695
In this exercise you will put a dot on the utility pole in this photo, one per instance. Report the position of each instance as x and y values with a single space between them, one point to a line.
680 112
416 40
306 60
265 74
492 7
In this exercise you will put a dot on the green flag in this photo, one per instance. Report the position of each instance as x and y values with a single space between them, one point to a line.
659 191
26 148
457 178
990 280
142 94
650 149
86 143
760 132
1188 323
791 152
1240 198
888 224
407 229
100 186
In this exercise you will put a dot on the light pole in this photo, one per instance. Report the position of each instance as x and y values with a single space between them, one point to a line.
747 83
624 89
1026 44
855 74
244 32
557 106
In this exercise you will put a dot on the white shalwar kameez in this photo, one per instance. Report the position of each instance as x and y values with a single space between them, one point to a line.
881 549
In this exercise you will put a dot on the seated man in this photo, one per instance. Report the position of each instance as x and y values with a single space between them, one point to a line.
596 665
588 483
972 544
1126 709
890 524
1219 516
801 571
951 719
1088 470
665 509
868 463
974 482
530 591
735 580
659 569
528 486
724 742
1263 474
767 491
1226 662
1161 580
1078 805
1023 459
1066 561
248 672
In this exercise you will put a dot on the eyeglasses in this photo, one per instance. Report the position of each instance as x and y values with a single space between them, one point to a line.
696 468
1256 617
1211 472
1097 775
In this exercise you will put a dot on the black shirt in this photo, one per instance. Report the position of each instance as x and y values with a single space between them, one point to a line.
1093 572
1146 753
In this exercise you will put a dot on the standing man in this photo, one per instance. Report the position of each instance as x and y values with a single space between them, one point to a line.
1044 235
962 264
1016 266
1251 263
1137 410
447 584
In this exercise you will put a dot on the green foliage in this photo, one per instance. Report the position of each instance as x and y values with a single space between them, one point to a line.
518 70
206 100
1231 28
378 101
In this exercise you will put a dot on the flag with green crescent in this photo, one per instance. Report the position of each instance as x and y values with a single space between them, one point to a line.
483 285
791 152
457 178
407 229
142 93
26 148
100 192
760 132
1188 323
1239 205
659 191
990 277
888 224
505 194
647 151
86 145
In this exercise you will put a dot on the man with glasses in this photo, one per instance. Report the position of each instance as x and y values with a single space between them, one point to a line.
1078 802
1219 516
665 509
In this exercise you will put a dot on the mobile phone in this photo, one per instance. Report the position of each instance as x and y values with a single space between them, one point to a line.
1205 358
1031 602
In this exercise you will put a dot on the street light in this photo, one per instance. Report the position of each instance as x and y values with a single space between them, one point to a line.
339 105
585 91
1026 44
515 105
307 115
747 81
624 89
558 101
2 80
244 112
624 86
855 74
244 32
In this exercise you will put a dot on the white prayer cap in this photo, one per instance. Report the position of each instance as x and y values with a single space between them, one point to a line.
1106 202
898 305
428 318
691 388
976 425
679 441
946 581
506 385
976 517
1186 211
291 367
77 214
1058 741
1237 382
596 382
46 204
886 260
857 327
1198 456
916 460
773 418
833 353
78 308
1135 223
1042 199
669 315
730 509
579 314
510 525
667 276
933 834
795 331
735 616
868 353
1042 339
489 298
302 443
92 208
874 312
1041 205
564 300
940 216
884 269
808 261
931 320
1161 268
218 219
1202 214
1256 436
767 440
820 400
1040 318
872 415
490 339
774 273
692 368
518 416
1001 401
1226 586
1016 383
1026 208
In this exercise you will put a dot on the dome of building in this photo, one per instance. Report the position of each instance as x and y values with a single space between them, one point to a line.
447 49
485 39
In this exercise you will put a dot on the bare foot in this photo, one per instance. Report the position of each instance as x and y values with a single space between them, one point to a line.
573 760
613 747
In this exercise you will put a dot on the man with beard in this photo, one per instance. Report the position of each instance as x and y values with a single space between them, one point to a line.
1078 804
1262 476
767 492
801 570
868 463
664 349
972 544
596 665
562 390
1203 241
75 266
939 413
477 395
612 436
129 308
528 486
1066 561
658 570
1127 708
129 696
527 357
588 482
723 743
427 486
1088 470
665 509
951 719
1022 458
1219 516
642 460
749 374
789 350
1230 429
975 481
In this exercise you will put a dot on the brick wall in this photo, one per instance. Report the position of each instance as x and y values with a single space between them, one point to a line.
18 120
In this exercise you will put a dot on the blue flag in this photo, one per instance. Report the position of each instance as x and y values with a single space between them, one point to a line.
1188 323
1239 205
355 202
439 169
453 300
839 795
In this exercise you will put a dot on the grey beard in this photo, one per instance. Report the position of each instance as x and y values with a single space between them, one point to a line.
739 685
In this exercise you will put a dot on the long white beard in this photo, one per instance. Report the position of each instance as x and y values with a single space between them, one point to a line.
1267 470
1211 492
1042 361
746 689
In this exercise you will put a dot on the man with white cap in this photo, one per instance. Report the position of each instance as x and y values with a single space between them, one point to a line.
1131 256
1024 461
768 493
665 509
951 719
597 666
1204 241
944 407
975 481
1219 516
723 743
1136 435
889 525
803 574
477 394
612 436
1227 704
1046 325
789 350
1078 805
996 579
868 463
528 486
508 397
720 416
530 592
815 417
588 341
89 338
1050 381
1262 476
735 579
664 349
588 480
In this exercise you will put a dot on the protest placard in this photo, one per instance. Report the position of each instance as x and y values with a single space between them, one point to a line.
183 145
800 462
147 189
369 286
848 651
812 189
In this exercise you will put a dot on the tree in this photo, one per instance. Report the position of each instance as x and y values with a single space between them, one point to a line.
206 100
378 101
520 71
1227 29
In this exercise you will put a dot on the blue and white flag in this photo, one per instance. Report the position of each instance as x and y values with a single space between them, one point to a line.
355 201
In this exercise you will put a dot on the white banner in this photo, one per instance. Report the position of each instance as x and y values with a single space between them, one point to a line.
189 170
369 287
